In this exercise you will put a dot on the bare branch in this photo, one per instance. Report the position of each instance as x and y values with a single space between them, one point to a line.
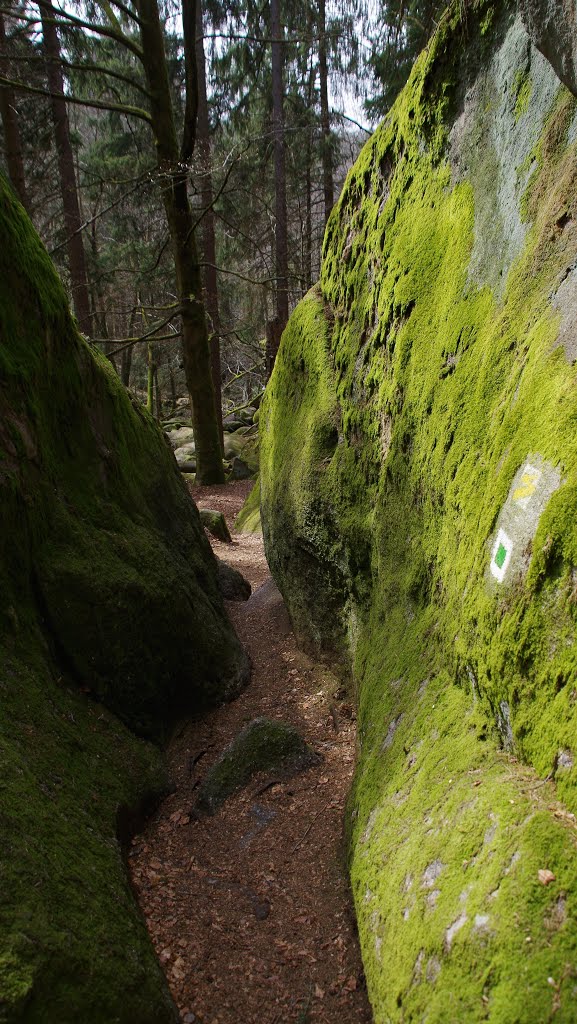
120 108
100 213
68 19
95 68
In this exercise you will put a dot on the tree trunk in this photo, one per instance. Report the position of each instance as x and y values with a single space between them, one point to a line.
273 332
150 379
12 138
173 179
281 242
157 394
208 231
126 365
328 186
71 207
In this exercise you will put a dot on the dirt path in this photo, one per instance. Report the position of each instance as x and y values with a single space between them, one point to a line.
249 910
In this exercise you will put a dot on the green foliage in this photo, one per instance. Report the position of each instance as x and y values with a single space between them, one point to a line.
407 395
402 32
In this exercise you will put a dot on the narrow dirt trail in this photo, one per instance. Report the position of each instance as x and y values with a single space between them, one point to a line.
249 910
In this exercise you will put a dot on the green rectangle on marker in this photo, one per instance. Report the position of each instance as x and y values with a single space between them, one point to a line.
500 556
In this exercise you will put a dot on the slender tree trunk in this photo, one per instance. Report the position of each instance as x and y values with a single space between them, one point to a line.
157 394
126 354
99 320
309 186
208 231
9 115
71 207
173 174
327 155
281 232
126 365
150 379
172 390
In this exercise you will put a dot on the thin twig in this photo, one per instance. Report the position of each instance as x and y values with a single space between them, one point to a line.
305 834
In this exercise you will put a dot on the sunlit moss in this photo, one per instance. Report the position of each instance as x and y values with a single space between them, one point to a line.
406 397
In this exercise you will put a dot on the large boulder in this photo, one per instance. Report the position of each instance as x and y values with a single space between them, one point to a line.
419 505
111 625
552 26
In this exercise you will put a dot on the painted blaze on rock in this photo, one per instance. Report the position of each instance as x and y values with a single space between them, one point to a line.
532 487
419 505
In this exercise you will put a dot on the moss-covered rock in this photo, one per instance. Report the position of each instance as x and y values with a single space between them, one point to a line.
232 584
248 519
215 523
263 745
419 501
108 600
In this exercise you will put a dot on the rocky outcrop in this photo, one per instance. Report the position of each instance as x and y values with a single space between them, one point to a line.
552 26
419 505
111 624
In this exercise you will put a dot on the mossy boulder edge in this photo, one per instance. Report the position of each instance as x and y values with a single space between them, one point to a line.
419 507
111 625
264 745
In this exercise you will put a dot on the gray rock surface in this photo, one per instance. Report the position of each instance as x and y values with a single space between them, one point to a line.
268 597
181 436
552 25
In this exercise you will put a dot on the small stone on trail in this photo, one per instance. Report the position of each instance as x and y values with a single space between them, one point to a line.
215 523
262 746
232 583
261 911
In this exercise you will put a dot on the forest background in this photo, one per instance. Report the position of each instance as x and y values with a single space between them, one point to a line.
180 160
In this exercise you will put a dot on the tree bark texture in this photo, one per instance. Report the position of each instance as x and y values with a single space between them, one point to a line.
173 175
12 138
327 155
281 232
208 231
70 204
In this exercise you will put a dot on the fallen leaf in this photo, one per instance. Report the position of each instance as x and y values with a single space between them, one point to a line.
545 876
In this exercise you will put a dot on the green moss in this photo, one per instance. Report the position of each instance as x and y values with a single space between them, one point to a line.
521 91
215 523
262 746
407 395
73 944
248 519
108 592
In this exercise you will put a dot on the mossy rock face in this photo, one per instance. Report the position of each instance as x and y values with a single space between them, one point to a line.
108 600
248 519
419 504
262 746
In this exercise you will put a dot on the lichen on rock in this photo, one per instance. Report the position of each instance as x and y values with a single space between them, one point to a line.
420 416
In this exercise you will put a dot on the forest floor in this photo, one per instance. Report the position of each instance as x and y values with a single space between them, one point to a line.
249 910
